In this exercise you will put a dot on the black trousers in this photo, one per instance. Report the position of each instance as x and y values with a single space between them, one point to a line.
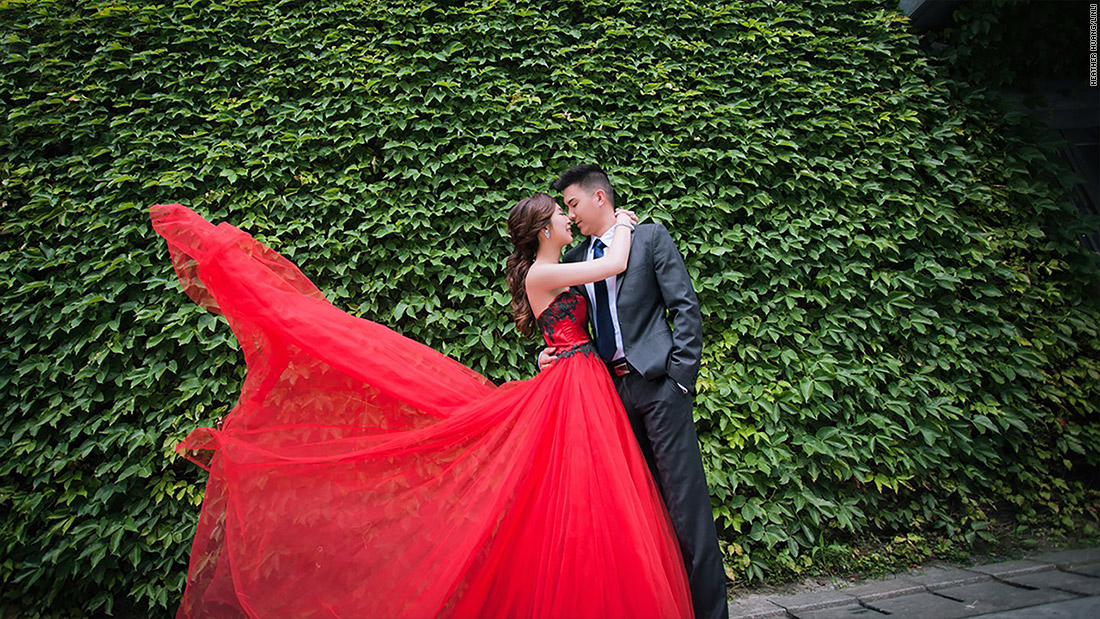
660 415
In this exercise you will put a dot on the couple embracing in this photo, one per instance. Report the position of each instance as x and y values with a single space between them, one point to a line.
362 474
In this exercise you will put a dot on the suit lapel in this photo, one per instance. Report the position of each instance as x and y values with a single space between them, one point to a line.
582 253
634 242
577 254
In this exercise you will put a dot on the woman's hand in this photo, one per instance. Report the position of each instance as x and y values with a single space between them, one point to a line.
623 216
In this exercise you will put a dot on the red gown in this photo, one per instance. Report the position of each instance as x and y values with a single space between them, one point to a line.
362 474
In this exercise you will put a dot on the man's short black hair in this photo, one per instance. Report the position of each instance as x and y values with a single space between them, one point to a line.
589 176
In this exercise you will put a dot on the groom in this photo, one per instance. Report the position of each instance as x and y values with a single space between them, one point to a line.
653 367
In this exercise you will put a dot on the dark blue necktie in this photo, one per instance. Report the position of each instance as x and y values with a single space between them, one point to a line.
605 331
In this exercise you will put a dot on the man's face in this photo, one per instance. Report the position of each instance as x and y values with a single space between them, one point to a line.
585 210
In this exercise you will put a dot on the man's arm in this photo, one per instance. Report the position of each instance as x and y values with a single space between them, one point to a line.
683 308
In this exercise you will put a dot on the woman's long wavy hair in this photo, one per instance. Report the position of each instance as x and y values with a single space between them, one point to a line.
526 220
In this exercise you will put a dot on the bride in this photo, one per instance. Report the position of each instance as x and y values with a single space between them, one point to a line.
362 474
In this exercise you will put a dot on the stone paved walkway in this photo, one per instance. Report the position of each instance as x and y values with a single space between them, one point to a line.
1061 585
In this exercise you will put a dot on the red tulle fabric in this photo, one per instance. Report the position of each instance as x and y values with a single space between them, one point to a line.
362 474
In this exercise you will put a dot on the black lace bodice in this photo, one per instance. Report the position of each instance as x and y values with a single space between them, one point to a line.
564 323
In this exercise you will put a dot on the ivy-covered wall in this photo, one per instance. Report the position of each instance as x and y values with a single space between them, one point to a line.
901 330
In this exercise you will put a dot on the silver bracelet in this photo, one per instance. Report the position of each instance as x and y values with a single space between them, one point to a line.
628 226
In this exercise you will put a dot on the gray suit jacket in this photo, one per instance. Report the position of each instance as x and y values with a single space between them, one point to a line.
653 291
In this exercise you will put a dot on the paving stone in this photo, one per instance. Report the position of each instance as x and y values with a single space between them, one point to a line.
1065 581
754 607
1071 558
881 589
1070 609
936 577
988 597
1045 587
1013 568
812 600
840 612
923 605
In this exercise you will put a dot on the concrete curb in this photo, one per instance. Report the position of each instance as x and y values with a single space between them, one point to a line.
882 589
814 600
1010 569
937 577
1071 558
